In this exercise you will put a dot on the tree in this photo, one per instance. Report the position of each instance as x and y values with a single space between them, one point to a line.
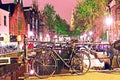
49 13
61 26
54 21
87 12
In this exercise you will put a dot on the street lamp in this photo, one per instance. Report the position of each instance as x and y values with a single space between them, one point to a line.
90 33
108 21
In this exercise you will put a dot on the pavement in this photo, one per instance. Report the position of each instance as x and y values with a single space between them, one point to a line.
91 75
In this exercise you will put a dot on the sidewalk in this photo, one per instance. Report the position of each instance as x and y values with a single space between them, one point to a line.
88 76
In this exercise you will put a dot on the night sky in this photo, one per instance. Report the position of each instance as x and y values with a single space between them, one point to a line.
62 7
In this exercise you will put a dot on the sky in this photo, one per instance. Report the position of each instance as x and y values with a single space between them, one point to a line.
62 7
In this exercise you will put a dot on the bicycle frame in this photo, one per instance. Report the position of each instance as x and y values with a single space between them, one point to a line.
45 63
59 57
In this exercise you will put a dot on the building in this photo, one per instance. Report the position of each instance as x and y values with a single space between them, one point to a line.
34 19
4 26
17 24
114 28
26 20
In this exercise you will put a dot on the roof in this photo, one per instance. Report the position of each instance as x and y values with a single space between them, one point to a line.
8 7
11 7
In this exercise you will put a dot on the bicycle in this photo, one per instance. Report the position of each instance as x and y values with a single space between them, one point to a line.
113 52
116 49
46 60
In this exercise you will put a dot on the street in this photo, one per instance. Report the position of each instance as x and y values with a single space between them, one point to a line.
93 75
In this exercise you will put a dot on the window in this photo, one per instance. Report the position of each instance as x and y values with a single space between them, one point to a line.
118 13
1 38
12 29
4 20
13 38
33 22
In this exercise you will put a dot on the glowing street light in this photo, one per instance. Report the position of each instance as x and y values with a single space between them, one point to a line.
109 22
90 33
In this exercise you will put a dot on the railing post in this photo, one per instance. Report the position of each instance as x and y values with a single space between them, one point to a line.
26 75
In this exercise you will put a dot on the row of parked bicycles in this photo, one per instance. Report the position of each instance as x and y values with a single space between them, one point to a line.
7 49
76 58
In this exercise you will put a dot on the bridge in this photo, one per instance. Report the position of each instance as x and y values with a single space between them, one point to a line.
17 68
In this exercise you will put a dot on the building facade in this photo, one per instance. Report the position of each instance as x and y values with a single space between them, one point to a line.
16 21
35 19
4 26
18 26
114 31
32 18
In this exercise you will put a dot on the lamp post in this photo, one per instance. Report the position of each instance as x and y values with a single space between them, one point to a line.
109 21
25 57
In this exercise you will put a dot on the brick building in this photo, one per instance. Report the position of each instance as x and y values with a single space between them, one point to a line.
114 28
18 24
112 31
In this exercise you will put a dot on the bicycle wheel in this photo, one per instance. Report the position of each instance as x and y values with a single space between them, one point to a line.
81 62
44 64
118 59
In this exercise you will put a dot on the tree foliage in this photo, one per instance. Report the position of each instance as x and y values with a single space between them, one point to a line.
49 13
86 13
54 21
84 17
60 26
